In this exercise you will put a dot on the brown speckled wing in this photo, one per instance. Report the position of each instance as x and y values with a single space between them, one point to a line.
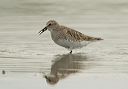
73 35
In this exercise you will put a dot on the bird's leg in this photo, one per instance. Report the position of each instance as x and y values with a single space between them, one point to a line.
71 52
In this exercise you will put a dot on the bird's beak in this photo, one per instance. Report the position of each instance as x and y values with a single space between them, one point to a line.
44 29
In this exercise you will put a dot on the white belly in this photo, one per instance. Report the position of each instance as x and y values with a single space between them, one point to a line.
67 43
72 45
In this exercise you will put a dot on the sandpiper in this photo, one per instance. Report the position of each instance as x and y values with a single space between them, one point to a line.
67 37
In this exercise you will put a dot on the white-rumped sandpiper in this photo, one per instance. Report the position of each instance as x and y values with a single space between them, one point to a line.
67 37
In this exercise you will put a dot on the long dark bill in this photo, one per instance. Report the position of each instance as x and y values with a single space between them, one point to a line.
44 29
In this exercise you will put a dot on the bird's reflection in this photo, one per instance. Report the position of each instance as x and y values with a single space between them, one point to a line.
65 65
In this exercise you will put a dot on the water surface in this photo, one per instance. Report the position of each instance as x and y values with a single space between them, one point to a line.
29 59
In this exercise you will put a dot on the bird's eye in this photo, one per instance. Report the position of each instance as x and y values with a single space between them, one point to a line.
50 24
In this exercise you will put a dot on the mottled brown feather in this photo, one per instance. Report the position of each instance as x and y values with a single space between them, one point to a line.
74 35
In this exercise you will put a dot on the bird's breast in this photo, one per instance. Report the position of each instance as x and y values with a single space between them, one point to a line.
60 39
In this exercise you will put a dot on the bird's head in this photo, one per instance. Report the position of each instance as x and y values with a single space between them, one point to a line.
50 25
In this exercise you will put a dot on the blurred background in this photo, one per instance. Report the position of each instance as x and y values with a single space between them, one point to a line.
24 53
62 8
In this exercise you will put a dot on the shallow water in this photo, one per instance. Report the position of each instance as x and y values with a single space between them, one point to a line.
29 59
